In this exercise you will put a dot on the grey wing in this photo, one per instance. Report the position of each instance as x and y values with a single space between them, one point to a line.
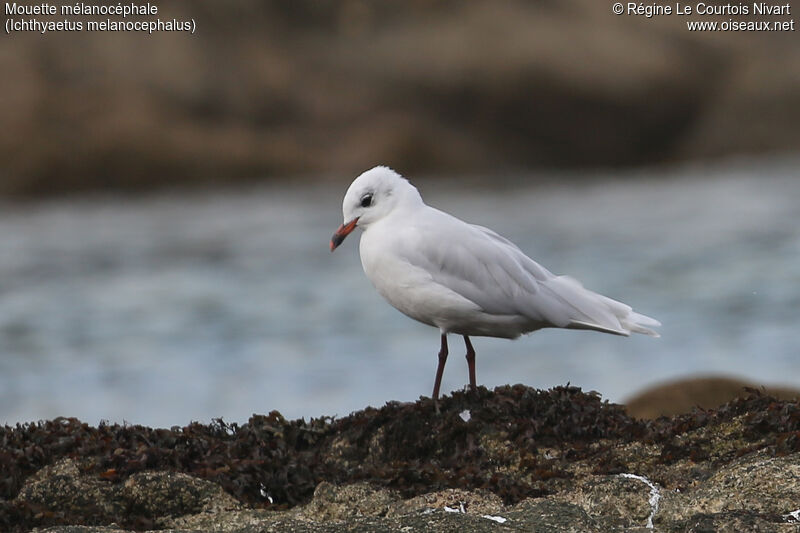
565 302
483 267
492 272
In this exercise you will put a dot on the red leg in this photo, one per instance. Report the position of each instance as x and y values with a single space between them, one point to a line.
440 368
471 363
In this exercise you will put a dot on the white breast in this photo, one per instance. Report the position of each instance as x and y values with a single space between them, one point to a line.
413 291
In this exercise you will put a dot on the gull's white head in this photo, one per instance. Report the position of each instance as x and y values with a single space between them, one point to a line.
372 196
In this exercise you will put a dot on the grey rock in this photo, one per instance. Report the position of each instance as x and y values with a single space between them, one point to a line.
616 500
81 529
595 504
545 515
331 502
755 484
731 522
62 488
478 502
169 494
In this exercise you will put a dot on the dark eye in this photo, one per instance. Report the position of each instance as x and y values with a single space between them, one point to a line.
366 200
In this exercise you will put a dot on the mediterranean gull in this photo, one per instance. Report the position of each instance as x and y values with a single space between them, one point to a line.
463 278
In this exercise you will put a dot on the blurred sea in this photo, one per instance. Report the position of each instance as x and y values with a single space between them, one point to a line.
183 306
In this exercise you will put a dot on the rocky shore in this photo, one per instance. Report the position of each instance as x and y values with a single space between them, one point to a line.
512 459
278 89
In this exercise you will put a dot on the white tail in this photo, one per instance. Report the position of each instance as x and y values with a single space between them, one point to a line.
600 313
637 322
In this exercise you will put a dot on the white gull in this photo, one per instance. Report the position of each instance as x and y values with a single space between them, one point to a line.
462 278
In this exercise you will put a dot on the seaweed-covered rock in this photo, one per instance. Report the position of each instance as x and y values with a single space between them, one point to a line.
523 460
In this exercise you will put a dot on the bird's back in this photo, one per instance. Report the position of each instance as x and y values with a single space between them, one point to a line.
467 279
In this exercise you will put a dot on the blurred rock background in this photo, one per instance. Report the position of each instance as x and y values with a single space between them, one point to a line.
300 88
703 392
